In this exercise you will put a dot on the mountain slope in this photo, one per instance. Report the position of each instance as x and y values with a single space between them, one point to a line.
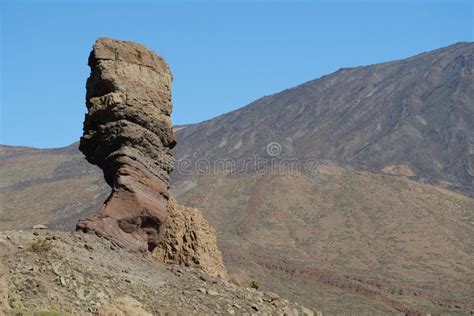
55 186
417 112
384 243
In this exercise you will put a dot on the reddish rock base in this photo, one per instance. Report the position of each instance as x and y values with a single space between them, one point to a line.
134 214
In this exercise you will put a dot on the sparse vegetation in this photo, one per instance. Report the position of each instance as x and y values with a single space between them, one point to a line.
41 246
254 284
16 306
49 313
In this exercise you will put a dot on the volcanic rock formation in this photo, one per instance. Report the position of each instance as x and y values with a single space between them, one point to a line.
189 239
128 134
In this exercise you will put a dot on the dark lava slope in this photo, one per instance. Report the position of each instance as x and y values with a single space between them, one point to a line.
417 112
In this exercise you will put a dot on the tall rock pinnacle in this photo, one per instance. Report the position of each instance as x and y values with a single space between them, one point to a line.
128 134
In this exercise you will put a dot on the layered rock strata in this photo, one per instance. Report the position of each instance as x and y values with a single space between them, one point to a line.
128 134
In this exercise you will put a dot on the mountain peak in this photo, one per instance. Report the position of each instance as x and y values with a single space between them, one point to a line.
416 112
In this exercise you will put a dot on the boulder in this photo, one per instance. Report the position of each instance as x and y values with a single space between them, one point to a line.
39 226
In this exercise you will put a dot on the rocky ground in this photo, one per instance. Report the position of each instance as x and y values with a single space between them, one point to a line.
46 272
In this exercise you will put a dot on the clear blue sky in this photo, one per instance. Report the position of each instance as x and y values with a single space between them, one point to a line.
222 55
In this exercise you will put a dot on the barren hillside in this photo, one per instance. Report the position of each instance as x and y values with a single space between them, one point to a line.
417 112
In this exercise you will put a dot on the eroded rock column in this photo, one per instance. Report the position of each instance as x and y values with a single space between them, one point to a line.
128 133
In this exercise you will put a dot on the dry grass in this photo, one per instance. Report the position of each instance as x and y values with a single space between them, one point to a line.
41 246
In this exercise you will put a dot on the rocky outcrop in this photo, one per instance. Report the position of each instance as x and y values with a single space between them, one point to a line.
128 134
189 240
